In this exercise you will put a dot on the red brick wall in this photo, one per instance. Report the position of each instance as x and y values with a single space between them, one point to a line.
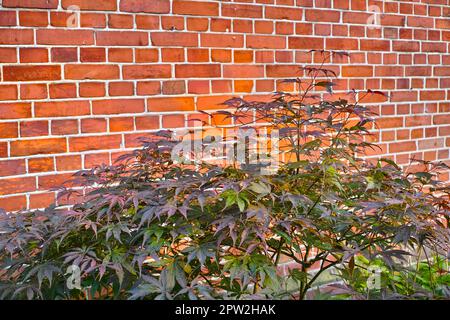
74 97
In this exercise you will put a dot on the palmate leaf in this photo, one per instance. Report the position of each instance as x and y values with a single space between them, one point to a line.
201 252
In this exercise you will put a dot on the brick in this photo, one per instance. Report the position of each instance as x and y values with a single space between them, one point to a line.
198 55
54 181
33 18
33 91
64 127
200 8
17 37
17 185
172 23
421 22
266 42
283 71
171 104
118 106
403 96
64 54
92 20
33 55
197 71
305 43
198 86
37 4
390 71
120 55
122 38
322 15
91 71
8 18
38 146
148 88
121 124
38 165
173 121
121 89
222 41
62 90
93 125
8 55
197 24
357 71
173 87
243 56
41 200
414 121
12 167
242 10
15 110
406 46
441 119
403 146
61 109
65 37
103 5
147 71
3 149
91 160
283 13
31 73
341 44
14 203
8 92
68 163
33 128
8 130
92 89
175 39
147 22
432 95
146 55
243 71
92 55
375 45
212 102
154 6
86 143
147 123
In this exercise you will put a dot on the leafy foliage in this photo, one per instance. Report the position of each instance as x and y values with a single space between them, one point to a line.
150 228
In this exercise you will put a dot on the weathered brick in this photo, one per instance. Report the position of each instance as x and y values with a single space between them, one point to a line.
200 8
91 71
31 73
197 71
103 5
37 4
174 39
171 104
86 143
118 106
38 146
61 109
147 71
65 37
154 6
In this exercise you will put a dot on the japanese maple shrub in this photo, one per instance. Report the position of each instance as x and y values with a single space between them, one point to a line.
153 228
